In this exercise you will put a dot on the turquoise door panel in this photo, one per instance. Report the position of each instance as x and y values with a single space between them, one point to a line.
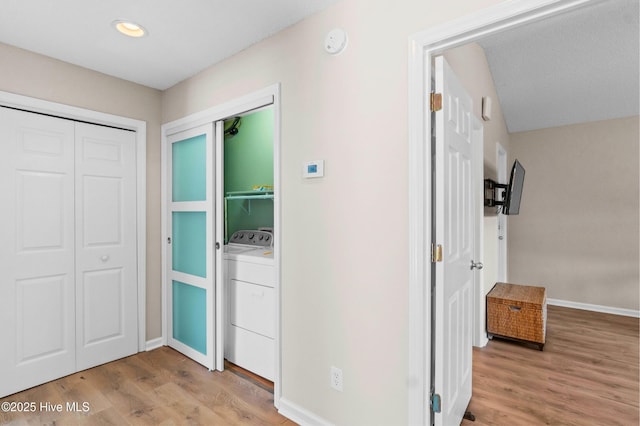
190 316
189 243
191 269
189 172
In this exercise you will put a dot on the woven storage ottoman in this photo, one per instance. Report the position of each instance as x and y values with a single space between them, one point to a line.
517 312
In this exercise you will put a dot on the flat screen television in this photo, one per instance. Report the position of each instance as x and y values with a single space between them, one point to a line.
513 194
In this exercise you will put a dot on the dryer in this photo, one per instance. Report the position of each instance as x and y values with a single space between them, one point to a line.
250 289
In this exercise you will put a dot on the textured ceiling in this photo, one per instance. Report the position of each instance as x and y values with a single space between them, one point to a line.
184 37
577 67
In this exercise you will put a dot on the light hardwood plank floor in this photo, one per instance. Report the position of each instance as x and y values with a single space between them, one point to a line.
587 374
160 387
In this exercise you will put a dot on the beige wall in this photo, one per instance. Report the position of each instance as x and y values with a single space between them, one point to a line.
470 65
577 233
29 74
344 237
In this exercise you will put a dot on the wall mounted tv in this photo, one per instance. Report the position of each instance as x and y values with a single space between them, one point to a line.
508 195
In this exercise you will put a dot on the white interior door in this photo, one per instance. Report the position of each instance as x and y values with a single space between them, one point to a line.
190 249
37 251
454 230
106 264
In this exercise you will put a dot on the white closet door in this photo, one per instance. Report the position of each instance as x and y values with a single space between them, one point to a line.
106 290
36 249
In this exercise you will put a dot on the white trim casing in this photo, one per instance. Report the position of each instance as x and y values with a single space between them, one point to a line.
153 344
422 47
479 307
140 128
218 226
503 245
300 415
595 308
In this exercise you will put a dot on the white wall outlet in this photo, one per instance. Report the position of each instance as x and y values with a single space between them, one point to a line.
336 378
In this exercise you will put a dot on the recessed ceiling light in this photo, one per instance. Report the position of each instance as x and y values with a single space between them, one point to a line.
129 28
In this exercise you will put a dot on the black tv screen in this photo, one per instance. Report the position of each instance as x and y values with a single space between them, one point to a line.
514 190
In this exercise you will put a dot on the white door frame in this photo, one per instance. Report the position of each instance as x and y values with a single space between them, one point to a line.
140 127
501 237
422 47
479 307
252 101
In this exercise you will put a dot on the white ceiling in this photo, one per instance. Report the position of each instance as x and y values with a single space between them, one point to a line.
577 67
581 66
184 37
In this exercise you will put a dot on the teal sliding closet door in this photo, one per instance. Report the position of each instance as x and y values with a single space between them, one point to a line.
191 237
189 169
190 316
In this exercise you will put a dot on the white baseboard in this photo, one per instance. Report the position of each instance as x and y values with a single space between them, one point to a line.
154 344
595 308
300 415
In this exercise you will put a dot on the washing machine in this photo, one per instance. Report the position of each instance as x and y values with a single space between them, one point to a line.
250 292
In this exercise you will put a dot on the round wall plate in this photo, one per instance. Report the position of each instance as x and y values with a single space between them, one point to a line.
335 41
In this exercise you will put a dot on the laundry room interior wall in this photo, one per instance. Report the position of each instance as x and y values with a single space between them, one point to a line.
248 163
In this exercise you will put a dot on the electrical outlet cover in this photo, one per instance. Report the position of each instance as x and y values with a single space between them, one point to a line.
336 378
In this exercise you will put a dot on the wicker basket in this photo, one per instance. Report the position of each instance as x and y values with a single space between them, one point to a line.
517 312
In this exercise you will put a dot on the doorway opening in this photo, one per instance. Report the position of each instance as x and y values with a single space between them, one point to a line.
249 278
232 198
423 47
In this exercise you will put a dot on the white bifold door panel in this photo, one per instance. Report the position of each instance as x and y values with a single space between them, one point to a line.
106 291
454 229
68 290
37 284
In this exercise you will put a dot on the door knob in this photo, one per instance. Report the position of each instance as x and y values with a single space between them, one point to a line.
104 258
476 265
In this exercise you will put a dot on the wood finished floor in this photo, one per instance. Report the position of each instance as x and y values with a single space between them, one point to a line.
588 374
160 387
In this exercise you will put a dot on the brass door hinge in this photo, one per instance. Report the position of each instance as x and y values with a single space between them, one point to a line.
435 101
436 253
436 403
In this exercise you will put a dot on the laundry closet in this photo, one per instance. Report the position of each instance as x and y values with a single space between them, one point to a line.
220 226
250 287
